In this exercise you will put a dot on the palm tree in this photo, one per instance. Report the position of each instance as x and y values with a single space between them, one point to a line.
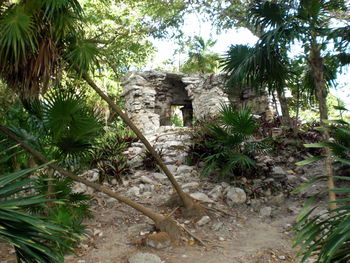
41 39
258 67
200 58
285 22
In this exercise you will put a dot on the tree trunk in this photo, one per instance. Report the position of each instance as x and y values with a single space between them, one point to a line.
284 108
187 201
165 224
316 63
50 187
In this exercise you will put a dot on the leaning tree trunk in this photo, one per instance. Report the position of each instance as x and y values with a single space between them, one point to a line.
284 107
191 207
163 223
316 63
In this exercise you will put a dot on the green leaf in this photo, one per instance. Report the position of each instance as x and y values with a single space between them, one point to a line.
310 160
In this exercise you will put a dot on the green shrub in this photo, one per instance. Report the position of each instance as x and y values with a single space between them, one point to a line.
327 236
34 238
108 154
228 145
71 210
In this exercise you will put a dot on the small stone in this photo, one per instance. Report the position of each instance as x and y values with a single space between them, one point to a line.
158 240
142 257
292 178
244 180
235 195
282 257
160 177
217 226
216 192
146 180
221 239
134 191
201 197
277 170
265 211
114 181
147 194
184 169
191 185
143 227
278 199
204 220
225 185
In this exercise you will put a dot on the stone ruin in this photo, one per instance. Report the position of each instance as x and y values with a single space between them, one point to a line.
151 97
150 101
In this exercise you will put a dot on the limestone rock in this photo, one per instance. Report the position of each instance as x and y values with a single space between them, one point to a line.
265 211
277 170
147 180
92 175
217 192
201 197
158 240
184 169
142 257
278 173
235 195
191 185
134 191
204 220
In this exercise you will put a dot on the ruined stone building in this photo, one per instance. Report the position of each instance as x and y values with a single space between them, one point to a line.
151 97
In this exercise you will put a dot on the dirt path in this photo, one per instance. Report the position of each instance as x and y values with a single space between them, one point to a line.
242 239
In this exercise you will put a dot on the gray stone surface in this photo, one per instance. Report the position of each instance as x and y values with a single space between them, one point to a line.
235 195
201 197
265 211
203 221
142 257
149 96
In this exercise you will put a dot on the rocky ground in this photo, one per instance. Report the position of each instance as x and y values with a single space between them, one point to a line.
249 220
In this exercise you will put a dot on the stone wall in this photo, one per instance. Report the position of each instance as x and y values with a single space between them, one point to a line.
149 96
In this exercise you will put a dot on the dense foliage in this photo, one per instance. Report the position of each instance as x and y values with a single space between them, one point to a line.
327 235
33 238
227 146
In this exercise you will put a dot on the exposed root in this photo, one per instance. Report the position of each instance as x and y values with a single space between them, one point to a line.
193 235
171 227
191 208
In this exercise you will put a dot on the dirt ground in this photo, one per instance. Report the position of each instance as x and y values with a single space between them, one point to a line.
244 238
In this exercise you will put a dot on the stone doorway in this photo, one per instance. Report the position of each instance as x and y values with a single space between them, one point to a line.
170 98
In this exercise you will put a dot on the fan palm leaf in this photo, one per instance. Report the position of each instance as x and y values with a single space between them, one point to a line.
32 237
328 235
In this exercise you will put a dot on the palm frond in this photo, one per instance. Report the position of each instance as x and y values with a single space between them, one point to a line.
82 54
328 235
33 238
265 14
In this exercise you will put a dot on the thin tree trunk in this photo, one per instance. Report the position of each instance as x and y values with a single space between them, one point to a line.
187 201
163 223
284 107
50 188
298 105
275 102
316 62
